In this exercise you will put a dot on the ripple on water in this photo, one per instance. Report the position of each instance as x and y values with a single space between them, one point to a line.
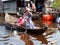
6 39
3 30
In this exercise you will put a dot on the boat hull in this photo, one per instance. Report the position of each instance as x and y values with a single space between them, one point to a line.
32 31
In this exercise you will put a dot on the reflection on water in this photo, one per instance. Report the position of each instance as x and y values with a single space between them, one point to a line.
3 30
6 39
52 35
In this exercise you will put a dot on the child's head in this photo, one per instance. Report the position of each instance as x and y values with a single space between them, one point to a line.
27 9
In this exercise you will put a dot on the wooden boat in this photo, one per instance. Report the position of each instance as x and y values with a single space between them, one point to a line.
10 23
29 31
32 31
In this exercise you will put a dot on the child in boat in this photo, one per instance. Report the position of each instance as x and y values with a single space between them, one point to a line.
20 21
28 23
26 20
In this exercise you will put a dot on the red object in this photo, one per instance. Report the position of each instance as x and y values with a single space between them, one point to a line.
47 22
47 17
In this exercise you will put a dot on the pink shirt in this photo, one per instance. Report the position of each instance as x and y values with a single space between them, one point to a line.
21 21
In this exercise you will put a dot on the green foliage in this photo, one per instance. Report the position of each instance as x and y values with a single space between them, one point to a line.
56 4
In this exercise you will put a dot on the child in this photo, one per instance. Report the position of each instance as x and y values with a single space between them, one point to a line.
28 23
20 21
